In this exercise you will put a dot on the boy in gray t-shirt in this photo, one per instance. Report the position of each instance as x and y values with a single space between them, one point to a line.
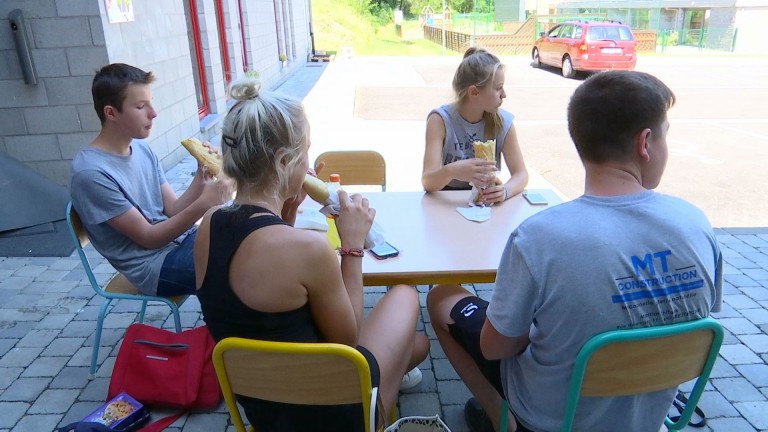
132 215
620 256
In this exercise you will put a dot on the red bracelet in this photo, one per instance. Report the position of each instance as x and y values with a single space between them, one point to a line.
351 251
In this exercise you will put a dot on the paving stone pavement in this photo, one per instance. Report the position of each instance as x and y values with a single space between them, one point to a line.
48 313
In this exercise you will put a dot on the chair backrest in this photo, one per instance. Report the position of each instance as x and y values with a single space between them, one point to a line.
80 239
358 167
296 373
119 287
78 233
625 362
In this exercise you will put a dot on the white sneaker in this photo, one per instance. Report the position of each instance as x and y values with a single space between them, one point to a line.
411 379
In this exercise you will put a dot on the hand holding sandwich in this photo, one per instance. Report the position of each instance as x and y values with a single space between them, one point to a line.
475 170
490 188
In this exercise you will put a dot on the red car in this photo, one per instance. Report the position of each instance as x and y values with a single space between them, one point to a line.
586 46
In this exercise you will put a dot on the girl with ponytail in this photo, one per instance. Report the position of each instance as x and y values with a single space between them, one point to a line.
476 115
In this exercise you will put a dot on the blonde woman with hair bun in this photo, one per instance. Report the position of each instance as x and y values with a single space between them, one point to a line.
476 115
258 277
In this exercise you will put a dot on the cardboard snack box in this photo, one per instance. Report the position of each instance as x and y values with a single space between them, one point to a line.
121 414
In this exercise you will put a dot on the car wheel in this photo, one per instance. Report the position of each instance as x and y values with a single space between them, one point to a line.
536 59
568 71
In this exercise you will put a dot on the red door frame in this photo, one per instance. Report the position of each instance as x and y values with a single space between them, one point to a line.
205 108
223 40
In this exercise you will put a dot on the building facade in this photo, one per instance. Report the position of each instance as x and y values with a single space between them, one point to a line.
723 25
50 50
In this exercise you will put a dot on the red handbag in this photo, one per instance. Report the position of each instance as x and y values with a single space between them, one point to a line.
158 367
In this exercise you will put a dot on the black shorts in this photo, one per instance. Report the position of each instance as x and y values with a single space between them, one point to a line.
373 365
468 316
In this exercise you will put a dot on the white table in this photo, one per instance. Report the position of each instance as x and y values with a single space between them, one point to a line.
437 244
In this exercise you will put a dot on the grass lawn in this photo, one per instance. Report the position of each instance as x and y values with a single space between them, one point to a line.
337 25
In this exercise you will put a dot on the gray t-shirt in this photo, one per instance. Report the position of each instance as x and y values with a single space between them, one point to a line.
592 265
460 134
105 185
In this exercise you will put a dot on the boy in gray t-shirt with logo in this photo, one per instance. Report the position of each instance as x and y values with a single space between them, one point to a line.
620 256
132 215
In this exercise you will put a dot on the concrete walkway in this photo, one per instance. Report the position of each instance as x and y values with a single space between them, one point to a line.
48 310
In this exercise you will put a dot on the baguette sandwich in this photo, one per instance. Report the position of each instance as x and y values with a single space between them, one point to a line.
211 161
485 150
316 189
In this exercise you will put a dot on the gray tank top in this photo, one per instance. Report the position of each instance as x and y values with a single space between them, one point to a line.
460 134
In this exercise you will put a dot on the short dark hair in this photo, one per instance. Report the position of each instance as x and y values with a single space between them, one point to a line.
110 84
609 109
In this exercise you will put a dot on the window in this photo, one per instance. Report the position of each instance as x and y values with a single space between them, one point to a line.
196 52
615 33
219 7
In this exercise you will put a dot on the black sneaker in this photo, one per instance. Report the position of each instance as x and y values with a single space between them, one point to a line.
476 418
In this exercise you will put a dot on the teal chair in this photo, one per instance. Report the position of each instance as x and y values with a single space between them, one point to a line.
627 362
117 288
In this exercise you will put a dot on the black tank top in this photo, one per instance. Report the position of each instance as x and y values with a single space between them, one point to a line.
227 316
224 313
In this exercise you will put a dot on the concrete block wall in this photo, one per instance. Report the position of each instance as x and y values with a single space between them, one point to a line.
44 125
750 25
261 40
157 41
41 125
720 27
302 15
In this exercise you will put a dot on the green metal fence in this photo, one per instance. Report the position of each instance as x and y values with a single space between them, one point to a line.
710 38
544 23
661 24
474 23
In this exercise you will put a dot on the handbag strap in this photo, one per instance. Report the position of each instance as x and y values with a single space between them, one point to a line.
170 346
161 424
679 403
84 427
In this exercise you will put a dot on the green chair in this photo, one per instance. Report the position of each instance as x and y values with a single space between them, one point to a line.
117 288
627 362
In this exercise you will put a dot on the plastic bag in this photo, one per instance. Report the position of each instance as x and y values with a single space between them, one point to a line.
418 424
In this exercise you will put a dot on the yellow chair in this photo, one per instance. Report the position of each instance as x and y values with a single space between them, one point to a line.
295 373
117 288
642 360
358 167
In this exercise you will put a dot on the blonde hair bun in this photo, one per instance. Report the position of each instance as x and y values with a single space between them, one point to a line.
245 89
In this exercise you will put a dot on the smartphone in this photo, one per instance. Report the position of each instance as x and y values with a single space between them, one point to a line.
535 198
384 251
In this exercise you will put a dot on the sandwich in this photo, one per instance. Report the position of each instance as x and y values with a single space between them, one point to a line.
316 189
211 161
485 150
